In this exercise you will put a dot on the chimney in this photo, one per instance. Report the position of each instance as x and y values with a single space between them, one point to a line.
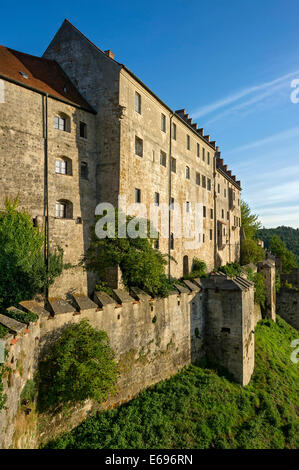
110 54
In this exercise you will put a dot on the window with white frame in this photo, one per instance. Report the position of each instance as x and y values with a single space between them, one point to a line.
61 167
61 122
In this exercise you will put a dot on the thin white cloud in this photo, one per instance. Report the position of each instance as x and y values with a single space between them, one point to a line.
246 104
287 134
241 94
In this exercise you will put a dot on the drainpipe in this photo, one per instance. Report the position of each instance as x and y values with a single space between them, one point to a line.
46 188
169 189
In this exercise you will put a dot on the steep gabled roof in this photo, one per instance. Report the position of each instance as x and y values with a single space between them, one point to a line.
40 74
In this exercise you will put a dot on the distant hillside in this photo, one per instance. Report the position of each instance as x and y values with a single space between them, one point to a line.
288 234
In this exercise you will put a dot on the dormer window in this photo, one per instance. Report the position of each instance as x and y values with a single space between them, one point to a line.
24 75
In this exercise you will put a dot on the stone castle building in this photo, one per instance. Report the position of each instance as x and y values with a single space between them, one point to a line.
78 128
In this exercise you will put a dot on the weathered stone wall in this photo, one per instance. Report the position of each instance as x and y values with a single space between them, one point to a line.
110 89
291 278
288 306
22 159
152 339
229 307
267 268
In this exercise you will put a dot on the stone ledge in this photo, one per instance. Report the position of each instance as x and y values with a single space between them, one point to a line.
13 325
83 302
34 307
122 296
59 306
140 294
102 299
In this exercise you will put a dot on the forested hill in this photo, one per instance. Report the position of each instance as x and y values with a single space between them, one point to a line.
288 234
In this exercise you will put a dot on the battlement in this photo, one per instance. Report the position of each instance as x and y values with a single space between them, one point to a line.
152 340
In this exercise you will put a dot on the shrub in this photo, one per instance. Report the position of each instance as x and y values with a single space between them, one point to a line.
22 269
79 365
199 269
3 331
231 269
23 317
28 392
251 252
141 265
279 249
260 289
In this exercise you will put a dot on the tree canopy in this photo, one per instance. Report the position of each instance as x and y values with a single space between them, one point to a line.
22 268
250 221
140 263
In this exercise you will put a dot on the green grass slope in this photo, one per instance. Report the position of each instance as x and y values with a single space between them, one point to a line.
198 408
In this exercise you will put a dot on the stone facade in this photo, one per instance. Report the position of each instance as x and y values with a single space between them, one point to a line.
152 339
288 305
78 82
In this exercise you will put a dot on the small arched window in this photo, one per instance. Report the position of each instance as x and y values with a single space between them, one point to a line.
84 170
64 166
64 209
62 122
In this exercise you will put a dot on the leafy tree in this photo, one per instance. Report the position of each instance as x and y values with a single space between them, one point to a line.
250 222
79 365
22 269
279 249
141 265
289 235
251 252
199 269
231 269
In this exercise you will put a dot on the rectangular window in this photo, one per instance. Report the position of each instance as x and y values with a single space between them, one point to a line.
208 158
204 211
209 184
171 203
163 122
59 123
137 102
203 181
137 195
211 213
138 146
187 206
188 142
219 188
163 158
203 238
224 192
173 165
238 202
222 213
203 154
174 131
211 234
187 172
60 210
157 199
156 244
199 237
83 130
61 167
198 179
198 150
227 215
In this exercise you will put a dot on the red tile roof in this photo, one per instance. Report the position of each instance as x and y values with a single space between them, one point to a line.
43 75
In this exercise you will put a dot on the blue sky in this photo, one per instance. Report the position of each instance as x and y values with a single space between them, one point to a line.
229 63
